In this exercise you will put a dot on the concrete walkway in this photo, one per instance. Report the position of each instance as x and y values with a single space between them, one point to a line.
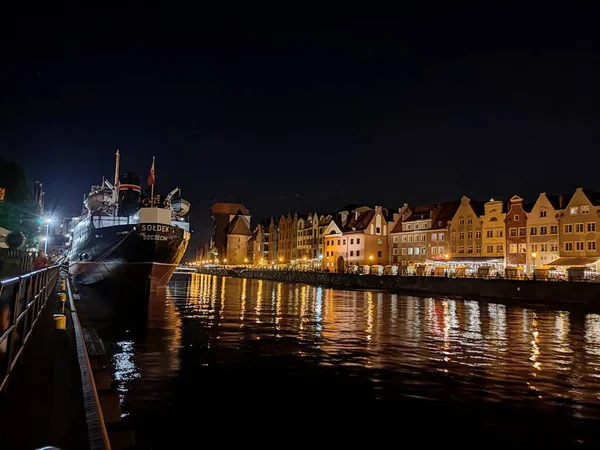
43 404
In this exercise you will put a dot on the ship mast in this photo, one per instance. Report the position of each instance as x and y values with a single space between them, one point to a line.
116 185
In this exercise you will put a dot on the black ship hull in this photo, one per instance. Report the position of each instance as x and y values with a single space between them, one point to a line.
141 255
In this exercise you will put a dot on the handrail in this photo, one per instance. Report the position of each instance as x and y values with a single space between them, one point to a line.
22 300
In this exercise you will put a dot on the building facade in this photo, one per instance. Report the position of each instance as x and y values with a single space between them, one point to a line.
356 237
516 234
543 238
579 223
493 238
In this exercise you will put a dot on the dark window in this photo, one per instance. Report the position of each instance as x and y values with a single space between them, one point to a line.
379 254
351 253
357 252
358 241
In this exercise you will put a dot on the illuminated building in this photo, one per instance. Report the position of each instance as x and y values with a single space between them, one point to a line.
357 235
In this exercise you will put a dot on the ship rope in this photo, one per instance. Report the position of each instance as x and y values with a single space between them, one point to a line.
105 255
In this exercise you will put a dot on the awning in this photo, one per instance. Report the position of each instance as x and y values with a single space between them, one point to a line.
574 261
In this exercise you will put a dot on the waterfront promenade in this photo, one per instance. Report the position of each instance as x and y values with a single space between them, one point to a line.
583 293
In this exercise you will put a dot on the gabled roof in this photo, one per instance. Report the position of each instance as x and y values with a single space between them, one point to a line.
358 223
445 214
238 226
420 212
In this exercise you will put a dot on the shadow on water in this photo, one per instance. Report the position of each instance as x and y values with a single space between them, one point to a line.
248 360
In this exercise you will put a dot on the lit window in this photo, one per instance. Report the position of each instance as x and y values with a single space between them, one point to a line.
574 210
434 236
513 248
416 250
433 250
379 241
410 251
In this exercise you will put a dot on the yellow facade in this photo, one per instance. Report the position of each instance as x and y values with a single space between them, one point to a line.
579 223
493 239
465 231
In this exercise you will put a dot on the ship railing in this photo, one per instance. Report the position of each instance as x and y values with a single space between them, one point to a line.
22 300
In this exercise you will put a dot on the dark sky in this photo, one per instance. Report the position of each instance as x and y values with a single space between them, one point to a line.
302 109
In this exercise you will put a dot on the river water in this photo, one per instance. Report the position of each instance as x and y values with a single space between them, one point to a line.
226 360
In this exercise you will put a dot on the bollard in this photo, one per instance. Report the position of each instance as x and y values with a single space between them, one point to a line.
62 298
60 322
63 285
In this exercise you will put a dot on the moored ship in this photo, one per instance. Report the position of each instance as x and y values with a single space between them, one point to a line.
126 237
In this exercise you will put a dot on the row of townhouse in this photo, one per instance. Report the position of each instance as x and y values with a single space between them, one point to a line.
555 230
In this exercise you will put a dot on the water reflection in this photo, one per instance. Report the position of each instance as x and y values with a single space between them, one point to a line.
400 347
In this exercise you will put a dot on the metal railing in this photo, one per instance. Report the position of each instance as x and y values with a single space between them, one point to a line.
22 300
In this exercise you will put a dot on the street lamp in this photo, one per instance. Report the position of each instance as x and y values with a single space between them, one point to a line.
371 258
533 256
48 221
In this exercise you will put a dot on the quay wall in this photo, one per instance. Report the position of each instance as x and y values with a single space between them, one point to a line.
551 292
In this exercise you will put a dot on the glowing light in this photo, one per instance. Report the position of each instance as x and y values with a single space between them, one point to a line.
534 255
280 259
245 260
371 258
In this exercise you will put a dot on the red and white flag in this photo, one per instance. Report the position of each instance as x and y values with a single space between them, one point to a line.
151 176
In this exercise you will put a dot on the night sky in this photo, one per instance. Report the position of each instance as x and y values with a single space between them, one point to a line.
302 109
